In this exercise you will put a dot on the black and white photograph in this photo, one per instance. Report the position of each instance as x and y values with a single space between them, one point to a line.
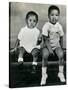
37 44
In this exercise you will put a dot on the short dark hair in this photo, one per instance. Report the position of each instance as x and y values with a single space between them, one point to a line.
53 7
31 13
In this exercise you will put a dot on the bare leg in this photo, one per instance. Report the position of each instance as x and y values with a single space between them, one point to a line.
21 53
45 54
34 53
59 53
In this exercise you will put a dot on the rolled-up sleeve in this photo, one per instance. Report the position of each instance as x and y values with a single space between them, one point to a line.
45 30
61 31
20 34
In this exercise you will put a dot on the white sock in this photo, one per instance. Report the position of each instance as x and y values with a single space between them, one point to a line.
61 74
61 68
44 70
20 59
34 63
44 76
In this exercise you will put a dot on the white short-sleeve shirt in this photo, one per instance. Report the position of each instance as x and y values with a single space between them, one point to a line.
28 38
53 32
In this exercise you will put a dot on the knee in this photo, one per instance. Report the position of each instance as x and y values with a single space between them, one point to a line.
45 53
35 53
21 50
60 55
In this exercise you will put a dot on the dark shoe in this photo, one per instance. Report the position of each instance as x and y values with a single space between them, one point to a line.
34 69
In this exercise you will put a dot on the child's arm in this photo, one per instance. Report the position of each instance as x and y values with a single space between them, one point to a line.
16 45
61 42
47 44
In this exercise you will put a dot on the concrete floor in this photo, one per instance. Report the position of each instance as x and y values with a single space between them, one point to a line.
21 76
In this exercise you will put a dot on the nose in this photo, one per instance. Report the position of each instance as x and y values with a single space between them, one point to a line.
32 22
54 16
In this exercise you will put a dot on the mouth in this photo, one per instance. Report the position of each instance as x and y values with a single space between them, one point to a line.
31 26
53 21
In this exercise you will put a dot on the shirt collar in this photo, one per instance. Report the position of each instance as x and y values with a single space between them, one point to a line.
53 24
30 28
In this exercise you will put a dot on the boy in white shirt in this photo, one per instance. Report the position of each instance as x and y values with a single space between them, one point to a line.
52 33
28 38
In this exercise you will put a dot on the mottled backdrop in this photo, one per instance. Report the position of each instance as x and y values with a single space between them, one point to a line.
18 12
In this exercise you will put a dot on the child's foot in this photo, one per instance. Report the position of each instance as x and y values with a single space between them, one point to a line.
61 77
43 80
33 69
20 59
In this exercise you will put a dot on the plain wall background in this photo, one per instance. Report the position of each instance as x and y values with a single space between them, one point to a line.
18 11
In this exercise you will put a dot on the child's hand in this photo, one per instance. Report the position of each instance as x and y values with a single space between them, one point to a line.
39 40
11 51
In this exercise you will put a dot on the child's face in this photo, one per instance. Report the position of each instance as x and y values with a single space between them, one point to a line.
31 21
54 16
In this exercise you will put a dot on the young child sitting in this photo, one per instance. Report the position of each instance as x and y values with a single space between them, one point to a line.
52 33
28 38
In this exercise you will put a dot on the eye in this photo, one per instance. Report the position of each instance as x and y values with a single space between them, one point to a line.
56 14
34 21
52 14
30 20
